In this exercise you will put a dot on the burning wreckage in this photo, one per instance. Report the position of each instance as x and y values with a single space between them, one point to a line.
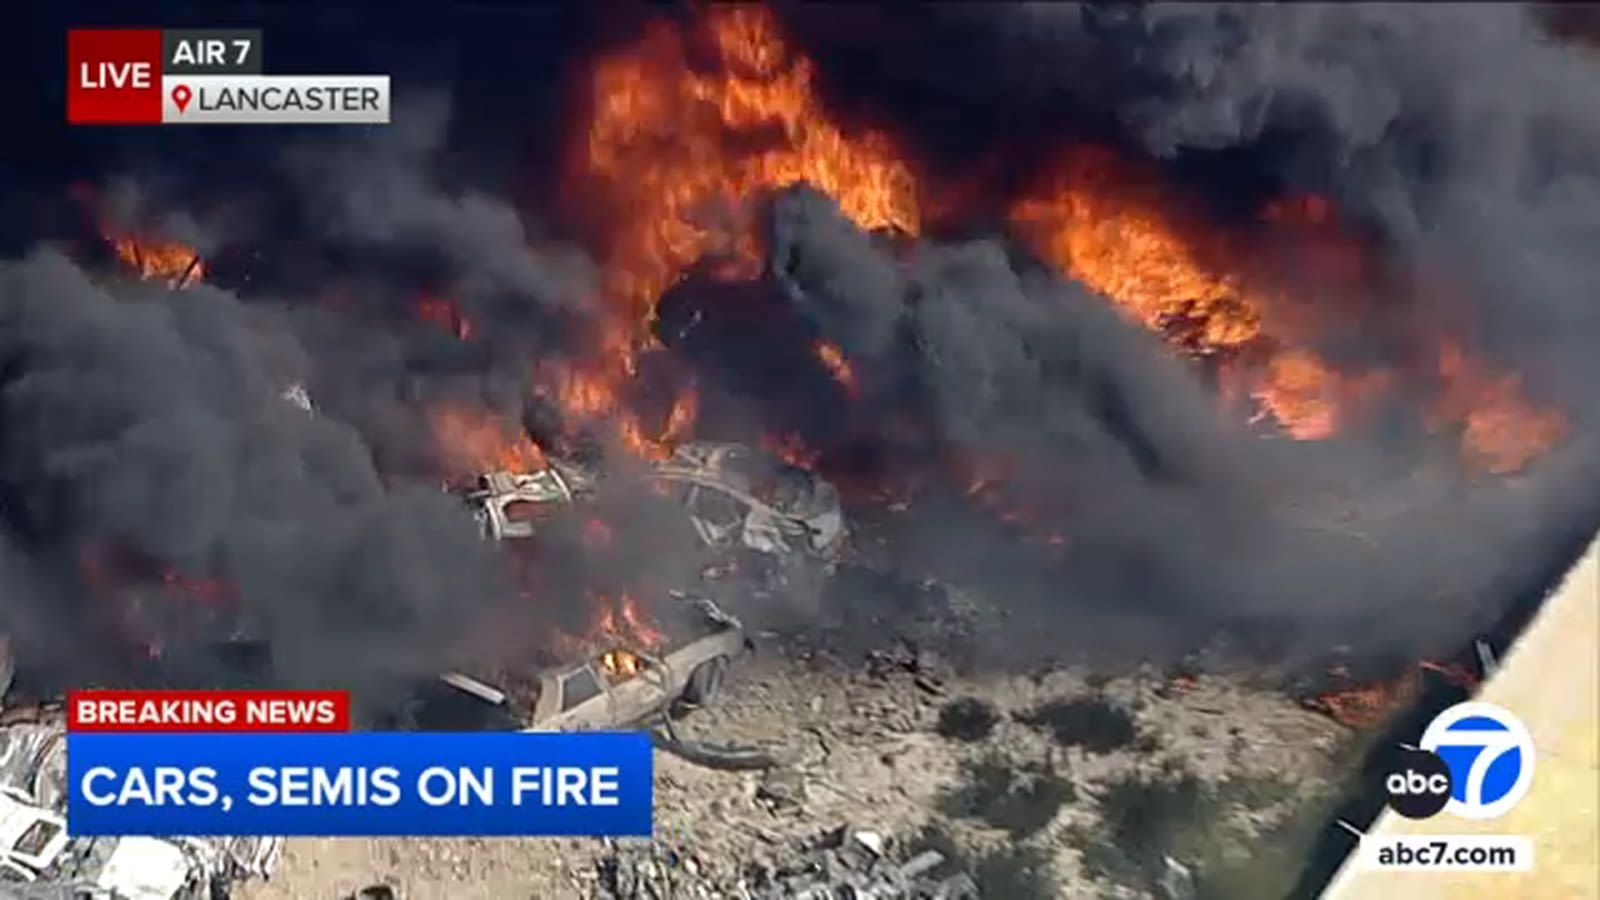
41 861
609 687
738 500
735 497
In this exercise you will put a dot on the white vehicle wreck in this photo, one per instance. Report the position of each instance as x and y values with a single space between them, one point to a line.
616 684
40 859
735 497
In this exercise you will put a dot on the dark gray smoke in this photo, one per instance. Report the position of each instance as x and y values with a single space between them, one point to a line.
1178 522
1461 135
147 432
146 423
1462 132
361 227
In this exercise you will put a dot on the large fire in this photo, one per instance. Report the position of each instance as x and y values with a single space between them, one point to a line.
680 154
691 125
678 159
1113 226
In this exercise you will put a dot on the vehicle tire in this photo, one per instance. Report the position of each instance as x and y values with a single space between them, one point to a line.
705 682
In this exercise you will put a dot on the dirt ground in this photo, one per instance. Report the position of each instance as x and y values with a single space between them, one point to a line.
1050 785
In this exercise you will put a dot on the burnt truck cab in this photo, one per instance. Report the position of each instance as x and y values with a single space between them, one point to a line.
616 687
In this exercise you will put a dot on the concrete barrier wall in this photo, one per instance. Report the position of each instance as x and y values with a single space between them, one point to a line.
1551 680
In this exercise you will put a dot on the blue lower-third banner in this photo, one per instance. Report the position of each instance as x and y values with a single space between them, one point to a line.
365 783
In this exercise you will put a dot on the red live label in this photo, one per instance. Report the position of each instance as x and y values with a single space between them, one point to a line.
114 77
208 711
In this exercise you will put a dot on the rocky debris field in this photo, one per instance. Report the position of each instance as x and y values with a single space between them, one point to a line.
1038 785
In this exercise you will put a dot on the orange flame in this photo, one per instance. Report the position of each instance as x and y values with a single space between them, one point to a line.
678 151
621 664
622 622
1366 707
1371 705
1112 227
158 259
832 358
619 631
1501 432
675 153
591 394
1103 223
1118 230
471 442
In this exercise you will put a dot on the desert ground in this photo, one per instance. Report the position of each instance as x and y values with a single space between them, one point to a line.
1051 784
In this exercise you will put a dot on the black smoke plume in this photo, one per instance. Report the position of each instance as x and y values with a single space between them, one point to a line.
145 423
1485 171
164 494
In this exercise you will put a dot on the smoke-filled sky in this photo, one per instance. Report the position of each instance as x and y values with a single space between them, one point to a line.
150 419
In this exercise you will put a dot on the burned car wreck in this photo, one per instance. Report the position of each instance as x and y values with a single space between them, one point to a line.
615 683
40 859
736 498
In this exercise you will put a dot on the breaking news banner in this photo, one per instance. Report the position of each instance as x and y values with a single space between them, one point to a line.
281 764
205 76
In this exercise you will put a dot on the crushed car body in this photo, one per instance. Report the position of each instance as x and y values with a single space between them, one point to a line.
736 497
507 505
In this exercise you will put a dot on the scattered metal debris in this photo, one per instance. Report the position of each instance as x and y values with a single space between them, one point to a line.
714 756
40 859
843 863
1486 661
1177 880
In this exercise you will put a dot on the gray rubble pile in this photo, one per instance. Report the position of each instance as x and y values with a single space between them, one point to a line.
843 864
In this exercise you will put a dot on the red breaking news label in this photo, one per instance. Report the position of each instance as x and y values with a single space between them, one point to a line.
208 711
114 77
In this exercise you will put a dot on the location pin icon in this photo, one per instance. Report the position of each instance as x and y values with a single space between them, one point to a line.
180 96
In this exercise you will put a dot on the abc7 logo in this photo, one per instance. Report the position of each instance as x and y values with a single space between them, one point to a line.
1475 760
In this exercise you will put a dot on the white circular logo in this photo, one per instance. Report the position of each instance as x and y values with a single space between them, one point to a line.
1490 756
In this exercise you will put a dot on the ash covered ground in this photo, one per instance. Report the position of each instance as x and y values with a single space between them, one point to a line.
1149 330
